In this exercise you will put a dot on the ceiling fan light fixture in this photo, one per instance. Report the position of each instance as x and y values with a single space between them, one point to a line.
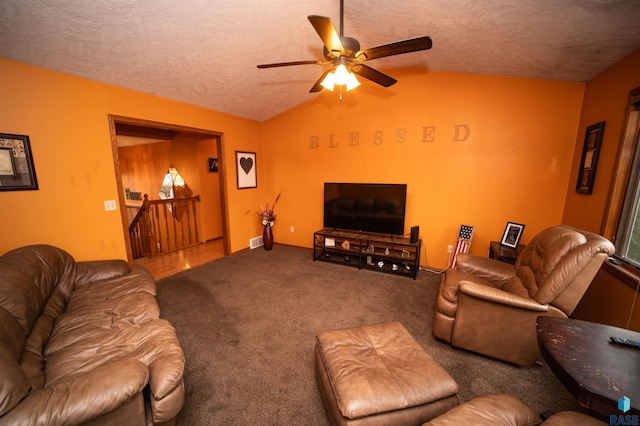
345 55
329 81
352 81
340 77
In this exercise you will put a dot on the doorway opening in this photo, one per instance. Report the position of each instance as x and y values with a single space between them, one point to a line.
193 147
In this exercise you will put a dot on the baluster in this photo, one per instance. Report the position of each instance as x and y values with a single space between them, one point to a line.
195 220
146 232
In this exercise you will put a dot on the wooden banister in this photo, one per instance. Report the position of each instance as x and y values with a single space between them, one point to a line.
161 226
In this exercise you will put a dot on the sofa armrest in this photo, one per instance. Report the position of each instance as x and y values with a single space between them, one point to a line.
489 269
97 270
501 297
166 383
83 397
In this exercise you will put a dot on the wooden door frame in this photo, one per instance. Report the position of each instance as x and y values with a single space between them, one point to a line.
222 170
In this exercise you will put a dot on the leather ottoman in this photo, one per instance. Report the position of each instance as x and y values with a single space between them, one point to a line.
379 375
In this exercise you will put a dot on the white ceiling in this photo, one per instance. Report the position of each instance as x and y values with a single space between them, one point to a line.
205 52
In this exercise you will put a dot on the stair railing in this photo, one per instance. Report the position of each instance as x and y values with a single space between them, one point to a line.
162 226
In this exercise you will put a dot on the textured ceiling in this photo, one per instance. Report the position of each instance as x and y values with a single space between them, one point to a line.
205 52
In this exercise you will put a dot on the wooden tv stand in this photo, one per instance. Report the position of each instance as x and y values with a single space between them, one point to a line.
377 252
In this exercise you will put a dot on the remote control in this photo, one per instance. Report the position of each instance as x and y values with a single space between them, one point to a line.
626 342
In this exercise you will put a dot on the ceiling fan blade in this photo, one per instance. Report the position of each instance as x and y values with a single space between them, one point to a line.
318 87
374 75
327 32
288 64
397 48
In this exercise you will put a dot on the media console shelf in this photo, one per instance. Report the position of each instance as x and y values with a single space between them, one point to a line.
378 252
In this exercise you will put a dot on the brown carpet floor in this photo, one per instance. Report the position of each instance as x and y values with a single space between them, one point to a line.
247 324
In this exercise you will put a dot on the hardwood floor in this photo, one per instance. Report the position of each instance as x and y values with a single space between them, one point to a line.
171 263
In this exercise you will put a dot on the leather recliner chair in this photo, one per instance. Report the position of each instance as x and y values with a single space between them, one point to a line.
490 307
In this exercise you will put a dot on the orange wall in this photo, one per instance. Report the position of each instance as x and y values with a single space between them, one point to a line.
608 298
66 119
211 209
509 159
511 162
605 99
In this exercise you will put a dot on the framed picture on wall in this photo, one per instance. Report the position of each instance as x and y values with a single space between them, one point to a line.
213 164
512 234
589 160
16 163
246 169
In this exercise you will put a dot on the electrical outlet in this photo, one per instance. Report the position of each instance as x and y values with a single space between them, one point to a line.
449 248
109 205
291 229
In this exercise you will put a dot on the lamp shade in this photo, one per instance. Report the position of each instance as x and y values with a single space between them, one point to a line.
341 76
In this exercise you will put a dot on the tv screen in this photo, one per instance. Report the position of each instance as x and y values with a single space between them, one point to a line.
370 207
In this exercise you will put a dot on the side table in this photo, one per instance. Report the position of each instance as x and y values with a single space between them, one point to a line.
503 253
595 371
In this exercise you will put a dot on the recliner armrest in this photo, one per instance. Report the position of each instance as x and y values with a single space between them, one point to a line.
499 296
483 267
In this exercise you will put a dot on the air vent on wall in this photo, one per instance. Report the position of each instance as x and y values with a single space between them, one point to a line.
256 242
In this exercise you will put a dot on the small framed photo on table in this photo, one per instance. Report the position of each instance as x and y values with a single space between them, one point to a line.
512 234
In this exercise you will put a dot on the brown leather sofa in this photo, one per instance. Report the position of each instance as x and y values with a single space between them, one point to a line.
83 343
490 307
507 410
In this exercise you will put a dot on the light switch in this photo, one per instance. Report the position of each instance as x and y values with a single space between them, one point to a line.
109 205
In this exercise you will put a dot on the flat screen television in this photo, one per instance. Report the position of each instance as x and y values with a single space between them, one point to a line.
366 207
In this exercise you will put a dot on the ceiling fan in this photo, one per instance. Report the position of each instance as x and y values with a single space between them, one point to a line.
347 58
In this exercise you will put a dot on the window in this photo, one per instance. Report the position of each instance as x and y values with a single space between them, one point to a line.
627 185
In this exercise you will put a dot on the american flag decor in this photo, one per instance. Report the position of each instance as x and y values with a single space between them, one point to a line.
462 244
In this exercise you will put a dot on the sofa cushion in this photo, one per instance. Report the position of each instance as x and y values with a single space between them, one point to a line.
514 286
11 334
46 266
104 307
572 418
20 297
544 264
489 410
99 270
13 382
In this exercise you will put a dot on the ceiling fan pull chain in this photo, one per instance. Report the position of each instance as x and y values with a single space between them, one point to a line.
341 18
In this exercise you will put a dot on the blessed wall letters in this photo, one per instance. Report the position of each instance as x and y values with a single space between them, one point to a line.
425 134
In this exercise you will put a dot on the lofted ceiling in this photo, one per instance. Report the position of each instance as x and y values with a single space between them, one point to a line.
205 52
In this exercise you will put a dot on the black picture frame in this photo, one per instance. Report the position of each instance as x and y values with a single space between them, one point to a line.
512 234
213 164
246 170
589 160
16 163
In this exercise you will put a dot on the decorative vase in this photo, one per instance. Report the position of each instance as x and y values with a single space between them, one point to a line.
267 237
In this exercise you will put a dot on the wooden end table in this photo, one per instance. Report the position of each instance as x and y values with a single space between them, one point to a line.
594 370
503 253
